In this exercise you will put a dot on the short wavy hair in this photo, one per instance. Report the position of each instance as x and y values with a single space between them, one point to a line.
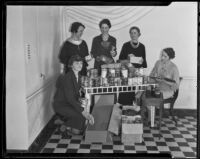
74 27
136 28
170 52
105 21
73 59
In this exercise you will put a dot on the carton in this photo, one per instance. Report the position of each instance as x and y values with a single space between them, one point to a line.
132 131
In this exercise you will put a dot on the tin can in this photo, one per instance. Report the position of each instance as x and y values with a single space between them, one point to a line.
112 72
124 81
117 72
93 73
124 72
82 80
104 82
103 72
86 82
130 83
91 82
111 81
117 81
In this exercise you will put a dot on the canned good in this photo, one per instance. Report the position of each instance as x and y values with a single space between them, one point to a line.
93 73
117 81
130 83
111 81
112 72
124 81
104 82
117 72
86 82
124 72
82 80
103 72
91 82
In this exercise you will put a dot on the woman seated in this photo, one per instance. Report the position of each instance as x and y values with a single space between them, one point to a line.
165 68
66 99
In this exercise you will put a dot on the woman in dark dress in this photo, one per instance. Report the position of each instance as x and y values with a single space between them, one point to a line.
66 100
74 46
137 49
103 46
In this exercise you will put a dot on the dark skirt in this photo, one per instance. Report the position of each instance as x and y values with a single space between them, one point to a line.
126 98
72 118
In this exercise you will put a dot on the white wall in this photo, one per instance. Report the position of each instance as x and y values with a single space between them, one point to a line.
29 110
16 110
164 26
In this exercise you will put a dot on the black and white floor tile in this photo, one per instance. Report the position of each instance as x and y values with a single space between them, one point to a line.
179 141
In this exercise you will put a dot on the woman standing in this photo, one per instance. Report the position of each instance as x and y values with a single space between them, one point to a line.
103 46
136 48
66 100
74 45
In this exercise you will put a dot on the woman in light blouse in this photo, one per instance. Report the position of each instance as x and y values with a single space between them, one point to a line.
165 68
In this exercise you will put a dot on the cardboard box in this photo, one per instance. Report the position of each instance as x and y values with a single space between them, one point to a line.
99 131
132 131
134 59
115 120
131 138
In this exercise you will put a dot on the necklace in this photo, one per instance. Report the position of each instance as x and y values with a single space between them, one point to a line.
133 45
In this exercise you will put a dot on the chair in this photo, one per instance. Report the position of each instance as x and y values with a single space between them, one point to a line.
172 100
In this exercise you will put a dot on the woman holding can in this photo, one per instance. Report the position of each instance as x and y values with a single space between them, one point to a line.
67 98
103 46
135 49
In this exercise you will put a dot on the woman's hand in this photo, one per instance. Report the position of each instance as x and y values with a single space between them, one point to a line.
88 58
88 116
141 60
113 52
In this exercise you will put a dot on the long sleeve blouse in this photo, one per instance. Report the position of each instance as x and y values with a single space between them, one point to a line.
138 52
166 70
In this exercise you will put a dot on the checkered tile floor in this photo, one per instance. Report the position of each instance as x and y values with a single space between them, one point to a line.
179 141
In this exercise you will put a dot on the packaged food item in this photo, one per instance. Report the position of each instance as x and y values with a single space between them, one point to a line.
124 72
112 72
104 72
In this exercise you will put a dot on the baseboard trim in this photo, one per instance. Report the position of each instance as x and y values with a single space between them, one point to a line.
184 112
40 140
43 136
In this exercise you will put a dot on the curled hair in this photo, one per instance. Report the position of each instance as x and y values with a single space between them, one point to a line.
73 59
136 28
74 27
170 52
105 21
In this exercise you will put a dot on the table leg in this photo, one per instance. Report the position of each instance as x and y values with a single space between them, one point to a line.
161 112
